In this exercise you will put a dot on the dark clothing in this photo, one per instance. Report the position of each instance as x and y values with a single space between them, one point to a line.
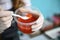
11 33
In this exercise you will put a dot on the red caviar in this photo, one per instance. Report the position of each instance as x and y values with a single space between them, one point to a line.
24 28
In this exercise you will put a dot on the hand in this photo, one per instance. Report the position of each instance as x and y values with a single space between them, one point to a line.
5 20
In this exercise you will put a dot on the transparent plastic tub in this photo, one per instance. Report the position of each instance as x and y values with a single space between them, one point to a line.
30 25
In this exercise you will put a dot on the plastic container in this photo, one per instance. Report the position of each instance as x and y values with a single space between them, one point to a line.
32 24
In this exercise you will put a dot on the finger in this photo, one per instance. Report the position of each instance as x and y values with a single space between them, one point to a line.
5 22
23 10
3 19
5 13
36 29
8 24
5 26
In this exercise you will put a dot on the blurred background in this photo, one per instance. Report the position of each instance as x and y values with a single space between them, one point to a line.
47 7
